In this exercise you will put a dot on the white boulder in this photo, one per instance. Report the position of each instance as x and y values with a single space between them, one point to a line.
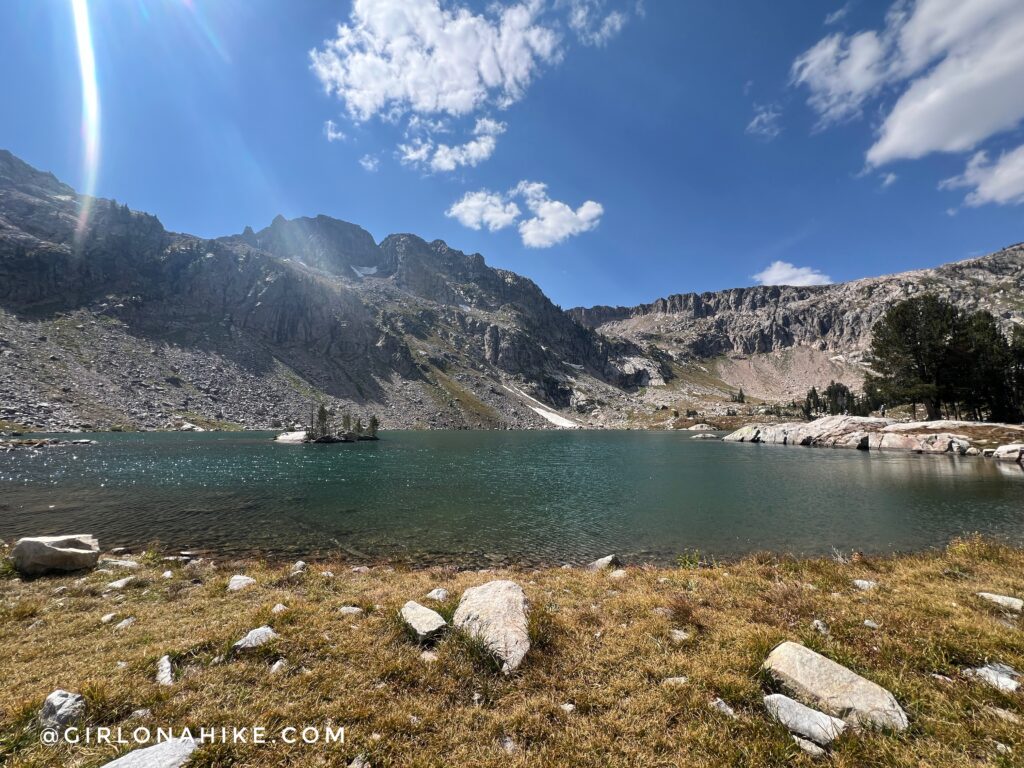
831 687
36 555
497 613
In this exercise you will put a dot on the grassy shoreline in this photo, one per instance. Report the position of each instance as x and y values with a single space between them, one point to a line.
600 643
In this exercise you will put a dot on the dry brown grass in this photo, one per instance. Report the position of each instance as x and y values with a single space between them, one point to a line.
599 644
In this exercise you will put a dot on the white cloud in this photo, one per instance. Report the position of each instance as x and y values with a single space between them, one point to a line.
552 221
370 163
332 132
958 69
766 121
402 56
784 273
841 72
837 15
587 18
484 208
442 157
888 180
1000 182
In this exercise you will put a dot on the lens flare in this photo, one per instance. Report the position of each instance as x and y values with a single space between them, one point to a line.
90 111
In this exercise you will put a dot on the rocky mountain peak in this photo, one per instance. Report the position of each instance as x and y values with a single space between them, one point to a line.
322 243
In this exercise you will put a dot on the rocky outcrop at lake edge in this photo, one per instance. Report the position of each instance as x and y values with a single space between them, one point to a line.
962 438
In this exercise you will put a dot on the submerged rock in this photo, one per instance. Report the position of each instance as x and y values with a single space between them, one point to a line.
497 613
833 688
33 556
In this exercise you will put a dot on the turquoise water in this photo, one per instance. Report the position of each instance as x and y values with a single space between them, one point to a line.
492 497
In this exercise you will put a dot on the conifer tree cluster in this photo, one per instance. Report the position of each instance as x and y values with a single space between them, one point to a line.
927 352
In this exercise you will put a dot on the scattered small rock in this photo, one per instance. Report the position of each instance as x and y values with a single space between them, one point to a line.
567 707
166 575
107 618
61 709
426 624
428 656
279 608
164 675
350 610
278 667
254 639
617 574
675 682
719 705
1014 604
167 754
440 594
678 636
119 584
609 561
803 721
864 585
238 582
125 624
1002 677
361 569
809 747
870 624
820 627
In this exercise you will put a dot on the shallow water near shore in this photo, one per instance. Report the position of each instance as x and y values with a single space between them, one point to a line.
475 498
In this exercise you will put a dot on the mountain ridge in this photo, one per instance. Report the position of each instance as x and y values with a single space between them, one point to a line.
127 323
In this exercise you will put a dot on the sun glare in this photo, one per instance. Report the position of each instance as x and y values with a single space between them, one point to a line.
90 110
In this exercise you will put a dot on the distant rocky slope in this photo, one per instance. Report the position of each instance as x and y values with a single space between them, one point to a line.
776 341
127 324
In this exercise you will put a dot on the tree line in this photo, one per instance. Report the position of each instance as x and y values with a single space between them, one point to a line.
927 352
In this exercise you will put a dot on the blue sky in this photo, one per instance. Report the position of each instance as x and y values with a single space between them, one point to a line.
612 151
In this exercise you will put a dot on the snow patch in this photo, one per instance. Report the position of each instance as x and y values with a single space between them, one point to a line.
554 418
364 271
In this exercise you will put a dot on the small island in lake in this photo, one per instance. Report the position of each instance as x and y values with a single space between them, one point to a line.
322 429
